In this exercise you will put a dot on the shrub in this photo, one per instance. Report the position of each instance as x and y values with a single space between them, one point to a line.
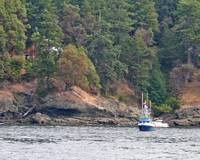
44 87
173 102
163 108
4 66
17 63
75 68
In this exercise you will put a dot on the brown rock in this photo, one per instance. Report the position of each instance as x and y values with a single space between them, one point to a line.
41 119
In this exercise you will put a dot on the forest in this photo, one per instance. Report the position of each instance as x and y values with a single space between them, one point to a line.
152 45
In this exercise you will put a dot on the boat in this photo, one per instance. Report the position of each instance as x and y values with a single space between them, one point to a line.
159 123
146 122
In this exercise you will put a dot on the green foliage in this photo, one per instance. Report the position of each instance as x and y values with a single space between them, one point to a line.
141 61
4 66
188 19
12 26
70 21
42 90
3 40
75 68
166 11
163 108
43 20
171 51
145 15
173 102
45 65
16 65
157 89
169 106
11 67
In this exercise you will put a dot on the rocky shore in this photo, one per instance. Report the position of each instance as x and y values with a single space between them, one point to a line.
184 117
18 105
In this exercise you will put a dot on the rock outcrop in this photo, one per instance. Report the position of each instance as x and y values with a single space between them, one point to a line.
186 117
18 104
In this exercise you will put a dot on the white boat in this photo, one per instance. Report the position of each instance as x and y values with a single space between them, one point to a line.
159 123
145 120
146 123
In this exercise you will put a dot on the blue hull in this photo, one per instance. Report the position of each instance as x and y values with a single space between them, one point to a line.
146 128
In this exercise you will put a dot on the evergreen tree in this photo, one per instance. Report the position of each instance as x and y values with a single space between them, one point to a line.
166 11
141 56
171 52
43 19
120 21
3 36
71 24
188 19
45 65
157 89
140 64
13 26
187 26
145 15
102 49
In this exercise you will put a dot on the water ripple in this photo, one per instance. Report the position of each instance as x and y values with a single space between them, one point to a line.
97 143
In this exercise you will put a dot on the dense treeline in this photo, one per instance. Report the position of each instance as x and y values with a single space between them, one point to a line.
95 43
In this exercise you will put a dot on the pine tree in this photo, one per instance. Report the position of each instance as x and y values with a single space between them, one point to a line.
13 26
71 24
166 11
3 36
188 20
44 66
43 19
119 18
171 52
187 26
141 62
145 15
104 52
157 89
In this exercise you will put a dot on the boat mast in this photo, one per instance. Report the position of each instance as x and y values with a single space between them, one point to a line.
142 104
150 106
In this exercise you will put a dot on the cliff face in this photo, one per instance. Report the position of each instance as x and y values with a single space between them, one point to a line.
18 104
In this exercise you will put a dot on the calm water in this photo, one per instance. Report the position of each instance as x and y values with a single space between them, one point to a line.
97 143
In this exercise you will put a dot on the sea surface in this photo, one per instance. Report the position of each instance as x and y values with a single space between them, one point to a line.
97 143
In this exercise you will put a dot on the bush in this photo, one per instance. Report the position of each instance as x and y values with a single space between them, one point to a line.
75 68
44 87
169 106
4 66
173 102
17 63
163 108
